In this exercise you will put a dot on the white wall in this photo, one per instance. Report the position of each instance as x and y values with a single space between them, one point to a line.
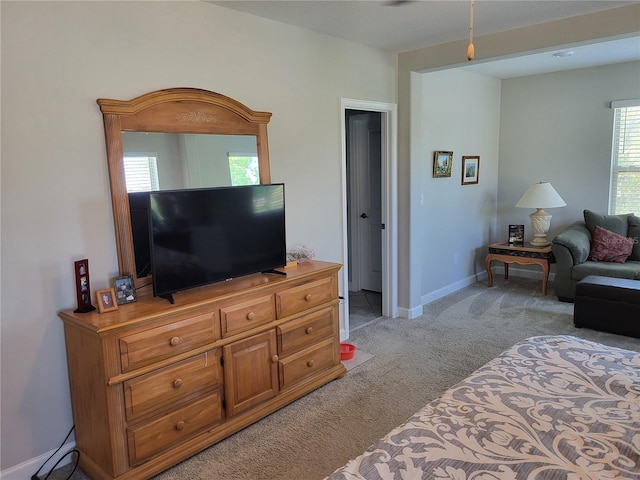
557 127
57 59
460 113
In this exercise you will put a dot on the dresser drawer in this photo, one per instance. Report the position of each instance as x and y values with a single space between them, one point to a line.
144 348
307 362
307 330
166 386
307 295
243 316
152 437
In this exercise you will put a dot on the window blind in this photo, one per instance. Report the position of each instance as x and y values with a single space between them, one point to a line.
625 158
141 174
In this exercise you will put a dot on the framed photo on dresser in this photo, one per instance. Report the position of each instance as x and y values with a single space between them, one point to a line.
106 300
125 293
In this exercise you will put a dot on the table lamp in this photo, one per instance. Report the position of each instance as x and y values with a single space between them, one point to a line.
540 195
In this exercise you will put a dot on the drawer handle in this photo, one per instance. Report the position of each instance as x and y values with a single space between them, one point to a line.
307 297
309 330
180 426
177 383
175 341
310 363
251 315
275 358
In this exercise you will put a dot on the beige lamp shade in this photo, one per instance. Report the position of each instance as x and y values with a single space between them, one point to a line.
540 195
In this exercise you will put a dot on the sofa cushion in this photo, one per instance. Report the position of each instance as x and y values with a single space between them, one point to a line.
615 223
628 269
634 233
607 246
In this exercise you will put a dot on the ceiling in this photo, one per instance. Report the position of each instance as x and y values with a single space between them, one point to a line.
415 24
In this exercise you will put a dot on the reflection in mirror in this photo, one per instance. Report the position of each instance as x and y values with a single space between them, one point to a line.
173 161
168 161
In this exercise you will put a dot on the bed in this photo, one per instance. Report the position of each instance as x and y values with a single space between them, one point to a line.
550 407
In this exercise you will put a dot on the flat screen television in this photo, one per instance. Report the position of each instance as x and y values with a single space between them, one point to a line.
201 236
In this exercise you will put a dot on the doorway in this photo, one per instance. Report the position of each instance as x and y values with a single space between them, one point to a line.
364 211
369 219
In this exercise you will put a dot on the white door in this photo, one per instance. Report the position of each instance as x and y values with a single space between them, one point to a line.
389 198
365 167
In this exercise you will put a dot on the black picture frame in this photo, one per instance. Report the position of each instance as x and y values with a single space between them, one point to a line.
516 235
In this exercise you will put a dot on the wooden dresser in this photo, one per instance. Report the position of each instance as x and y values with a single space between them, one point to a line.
153 383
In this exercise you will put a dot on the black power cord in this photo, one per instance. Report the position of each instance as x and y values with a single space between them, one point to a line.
75 450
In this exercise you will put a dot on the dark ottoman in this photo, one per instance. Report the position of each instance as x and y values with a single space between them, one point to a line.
608 304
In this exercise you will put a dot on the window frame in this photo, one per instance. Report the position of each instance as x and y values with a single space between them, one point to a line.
625 144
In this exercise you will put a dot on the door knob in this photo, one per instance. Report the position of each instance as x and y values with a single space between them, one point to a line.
364 215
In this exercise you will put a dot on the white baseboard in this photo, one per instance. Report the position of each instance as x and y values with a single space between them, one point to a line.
499 270
454 287
26 469
410 313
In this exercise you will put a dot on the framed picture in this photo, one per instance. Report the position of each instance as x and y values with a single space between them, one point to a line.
516 234
470 169
125 293
83 287
442 162
106 300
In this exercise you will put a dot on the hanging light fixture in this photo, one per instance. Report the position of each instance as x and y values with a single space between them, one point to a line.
471 49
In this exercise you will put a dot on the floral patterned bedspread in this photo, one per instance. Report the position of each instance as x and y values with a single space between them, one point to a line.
550 407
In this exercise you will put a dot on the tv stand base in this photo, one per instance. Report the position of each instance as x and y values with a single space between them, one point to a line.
275 272
168 296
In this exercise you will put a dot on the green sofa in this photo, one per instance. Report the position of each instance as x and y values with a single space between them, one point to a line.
571 249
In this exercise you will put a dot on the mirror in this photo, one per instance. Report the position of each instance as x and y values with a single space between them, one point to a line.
167 161
185 129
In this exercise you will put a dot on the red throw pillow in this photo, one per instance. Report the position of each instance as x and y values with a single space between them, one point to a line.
607 246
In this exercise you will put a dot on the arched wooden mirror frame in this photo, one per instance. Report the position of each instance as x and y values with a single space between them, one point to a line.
175 110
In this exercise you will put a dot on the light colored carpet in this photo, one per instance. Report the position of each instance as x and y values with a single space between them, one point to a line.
413 362
358 359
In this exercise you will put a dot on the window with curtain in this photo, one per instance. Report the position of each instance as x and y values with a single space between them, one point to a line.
625 158
141 173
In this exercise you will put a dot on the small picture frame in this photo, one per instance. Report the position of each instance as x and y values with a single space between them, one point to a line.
106 300
83 287
516 234
470 169
123 286
442 162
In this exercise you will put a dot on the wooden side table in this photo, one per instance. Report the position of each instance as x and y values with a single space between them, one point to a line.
522 254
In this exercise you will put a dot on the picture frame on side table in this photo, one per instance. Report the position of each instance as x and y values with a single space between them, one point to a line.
106 300
83 287
470 169
516 235
123 286
442 162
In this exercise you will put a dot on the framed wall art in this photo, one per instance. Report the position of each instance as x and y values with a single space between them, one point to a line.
125 292
83 287
470 169
442 162
106 300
